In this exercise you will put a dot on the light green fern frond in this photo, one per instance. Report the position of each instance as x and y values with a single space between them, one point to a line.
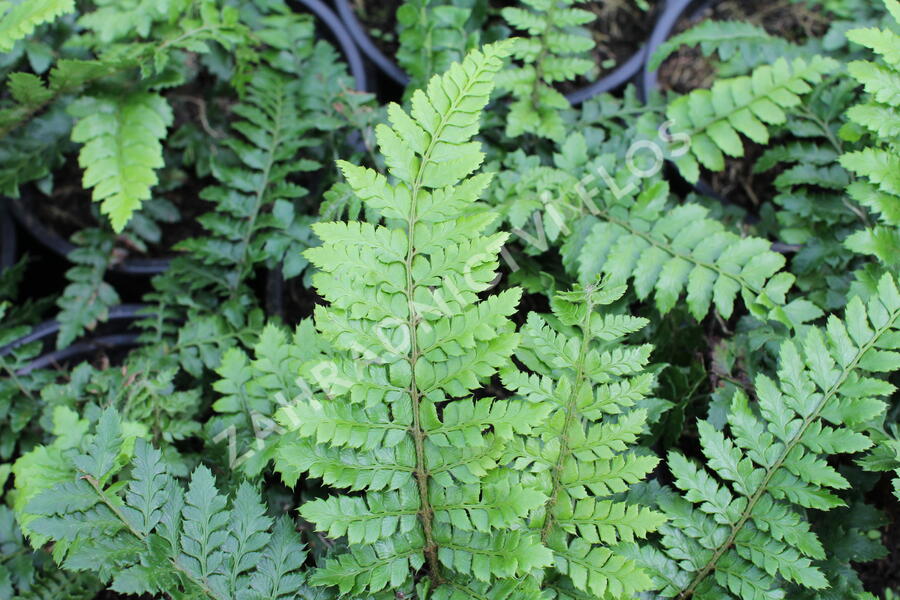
714 118
122 149
19 19
590 382
739 529
878 164
411 339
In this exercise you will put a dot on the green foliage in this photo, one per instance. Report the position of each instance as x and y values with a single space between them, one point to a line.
669 250
590 384
739 529
813 211
877 164
554 52
433 34
411 340
147 535
740 46
122 149
726 38
252 389
88 298
18 20
747 105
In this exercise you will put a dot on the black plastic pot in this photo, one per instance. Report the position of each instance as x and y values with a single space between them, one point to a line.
339 33
151 266
117 332
673 12
59 245
619 76
7 237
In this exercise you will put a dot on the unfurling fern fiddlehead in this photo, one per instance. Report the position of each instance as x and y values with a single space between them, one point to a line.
739 530
582 457
412 339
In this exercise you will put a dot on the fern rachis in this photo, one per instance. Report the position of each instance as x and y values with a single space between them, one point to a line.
409 335
590 383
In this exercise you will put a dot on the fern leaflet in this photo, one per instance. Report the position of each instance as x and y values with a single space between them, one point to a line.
878 164
122 149
554 52
18 20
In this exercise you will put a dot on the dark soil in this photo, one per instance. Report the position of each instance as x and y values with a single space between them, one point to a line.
739 185
687 69
882 575
69 209
621 28
380 21
619 31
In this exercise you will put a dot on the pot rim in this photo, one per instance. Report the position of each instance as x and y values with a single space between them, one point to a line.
620 75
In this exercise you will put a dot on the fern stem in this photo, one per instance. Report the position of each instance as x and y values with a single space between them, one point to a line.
116 511
426 512
571 410
788 447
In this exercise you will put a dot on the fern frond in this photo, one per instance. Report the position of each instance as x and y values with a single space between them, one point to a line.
582 448
433 34
555 52
251 391
18 20
411 338
87 299
156 538
122 149
668 250
740 530
714 118
725 38
877 164
256 221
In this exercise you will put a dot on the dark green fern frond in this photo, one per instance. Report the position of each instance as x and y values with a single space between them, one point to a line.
148 535
739 530
88 297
